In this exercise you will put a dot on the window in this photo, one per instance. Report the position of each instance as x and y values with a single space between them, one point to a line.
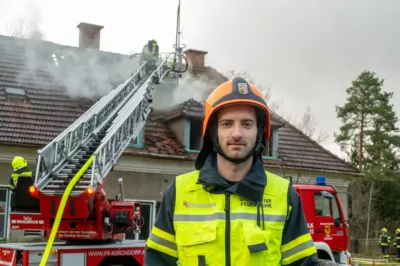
15 93
271 148
4 202
137 142
193 135
325 206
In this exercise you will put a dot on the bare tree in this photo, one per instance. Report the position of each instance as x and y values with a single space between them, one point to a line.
308 125
18 28
27 26
265 90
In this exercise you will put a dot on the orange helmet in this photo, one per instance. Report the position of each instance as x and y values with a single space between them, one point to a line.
236 91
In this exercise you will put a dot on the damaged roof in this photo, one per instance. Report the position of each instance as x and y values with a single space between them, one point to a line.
38 74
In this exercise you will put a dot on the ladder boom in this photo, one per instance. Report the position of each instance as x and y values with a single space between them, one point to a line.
127 126
93 134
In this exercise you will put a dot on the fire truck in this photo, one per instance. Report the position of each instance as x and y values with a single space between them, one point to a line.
67 201
326 222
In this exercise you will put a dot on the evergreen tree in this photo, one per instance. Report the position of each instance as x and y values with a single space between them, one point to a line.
369 122
369 136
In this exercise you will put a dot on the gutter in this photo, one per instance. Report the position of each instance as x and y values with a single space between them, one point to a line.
190 158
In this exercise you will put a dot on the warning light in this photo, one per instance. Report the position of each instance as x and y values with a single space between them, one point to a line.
34 191
5 254
89 191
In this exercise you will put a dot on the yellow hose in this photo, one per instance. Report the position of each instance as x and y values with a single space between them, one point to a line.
61 208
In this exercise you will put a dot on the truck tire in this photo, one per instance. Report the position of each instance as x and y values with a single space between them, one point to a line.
326 263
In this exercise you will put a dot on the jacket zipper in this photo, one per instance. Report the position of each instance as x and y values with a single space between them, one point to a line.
227 230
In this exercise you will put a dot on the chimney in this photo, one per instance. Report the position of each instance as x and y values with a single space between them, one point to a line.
196 57
89 35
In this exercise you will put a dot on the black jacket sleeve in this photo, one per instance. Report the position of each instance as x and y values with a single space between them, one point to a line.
160 247
298 248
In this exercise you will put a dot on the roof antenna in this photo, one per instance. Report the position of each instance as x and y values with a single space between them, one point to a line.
179 56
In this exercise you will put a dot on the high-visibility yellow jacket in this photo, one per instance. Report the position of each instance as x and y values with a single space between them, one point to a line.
204 220
15 176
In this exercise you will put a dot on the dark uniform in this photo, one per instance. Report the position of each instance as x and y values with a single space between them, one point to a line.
20 167
384 241
20 180
204 219
397 243
151 51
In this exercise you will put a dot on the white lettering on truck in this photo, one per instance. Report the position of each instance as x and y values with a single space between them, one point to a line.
111 253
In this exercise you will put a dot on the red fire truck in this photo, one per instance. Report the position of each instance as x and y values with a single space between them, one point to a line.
326 222
66 200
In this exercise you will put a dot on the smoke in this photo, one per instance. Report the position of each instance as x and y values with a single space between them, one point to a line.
81 73
26 24
169 94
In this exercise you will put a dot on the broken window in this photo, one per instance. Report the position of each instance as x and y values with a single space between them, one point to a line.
194 133
15 93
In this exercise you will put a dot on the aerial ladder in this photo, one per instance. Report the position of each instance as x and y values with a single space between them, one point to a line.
72 168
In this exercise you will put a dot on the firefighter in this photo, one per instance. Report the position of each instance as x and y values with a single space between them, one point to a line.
20 167
397 243
384 241
151 50
229 211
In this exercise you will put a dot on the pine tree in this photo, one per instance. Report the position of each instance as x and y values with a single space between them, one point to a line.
370 137
369 121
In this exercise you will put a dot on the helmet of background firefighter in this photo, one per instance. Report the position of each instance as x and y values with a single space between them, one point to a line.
19 162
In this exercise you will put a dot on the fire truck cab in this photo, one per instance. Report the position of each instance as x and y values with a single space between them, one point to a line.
326 222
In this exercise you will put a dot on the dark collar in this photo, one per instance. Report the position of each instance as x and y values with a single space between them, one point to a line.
250 188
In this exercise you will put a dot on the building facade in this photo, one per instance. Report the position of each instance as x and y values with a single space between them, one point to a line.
44 88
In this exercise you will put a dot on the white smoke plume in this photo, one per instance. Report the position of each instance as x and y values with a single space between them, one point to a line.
81 73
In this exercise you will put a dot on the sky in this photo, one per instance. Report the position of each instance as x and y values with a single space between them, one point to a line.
307 52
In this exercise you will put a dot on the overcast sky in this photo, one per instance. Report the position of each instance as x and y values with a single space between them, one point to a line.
307 51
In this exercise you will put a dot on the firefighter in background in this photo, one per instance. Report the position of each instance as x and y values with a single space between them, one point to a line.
151 51
20 167
397 243
384 241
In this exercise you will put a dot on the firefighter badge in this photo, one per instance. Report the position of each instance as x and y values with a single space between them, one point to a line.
327 229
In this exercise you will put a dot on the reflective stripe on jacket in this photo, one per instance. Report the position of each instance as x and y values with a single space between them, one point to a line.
384 240
16 175
221 229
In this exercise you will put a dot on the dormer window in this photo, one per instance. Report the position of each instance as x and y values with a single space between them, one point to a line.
137 142
271 148
15 93
194 140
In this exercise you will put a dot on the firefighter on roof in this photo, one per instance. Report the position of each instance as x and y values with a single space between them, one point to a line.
397 243
384 241
20 167
230 211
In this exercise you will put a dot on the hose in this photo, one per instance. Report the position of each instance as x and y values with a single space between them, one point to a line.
61 208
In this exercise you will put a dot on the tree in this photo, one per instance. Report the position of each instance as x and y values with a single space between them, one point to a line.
368 121
23 28
369 136
308 125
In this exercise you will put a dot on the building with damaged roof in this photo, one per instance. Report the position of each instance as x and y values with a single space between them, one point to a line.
44 88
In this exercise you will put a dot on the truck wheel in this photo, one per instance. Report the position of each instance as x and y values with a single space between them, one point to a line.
326 263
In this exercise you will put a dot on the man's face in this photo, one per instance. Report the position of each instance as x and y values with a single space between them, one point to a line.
237 130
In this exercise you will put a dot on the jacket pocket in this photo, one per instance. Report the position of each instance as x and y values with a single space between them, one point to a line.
257 244
196 242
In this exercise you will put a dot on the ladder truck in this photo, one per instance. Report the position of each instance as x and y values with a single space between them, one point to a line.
68 184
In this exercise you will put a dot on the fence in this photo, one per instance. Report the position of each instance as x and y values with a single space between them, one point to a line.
371 247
